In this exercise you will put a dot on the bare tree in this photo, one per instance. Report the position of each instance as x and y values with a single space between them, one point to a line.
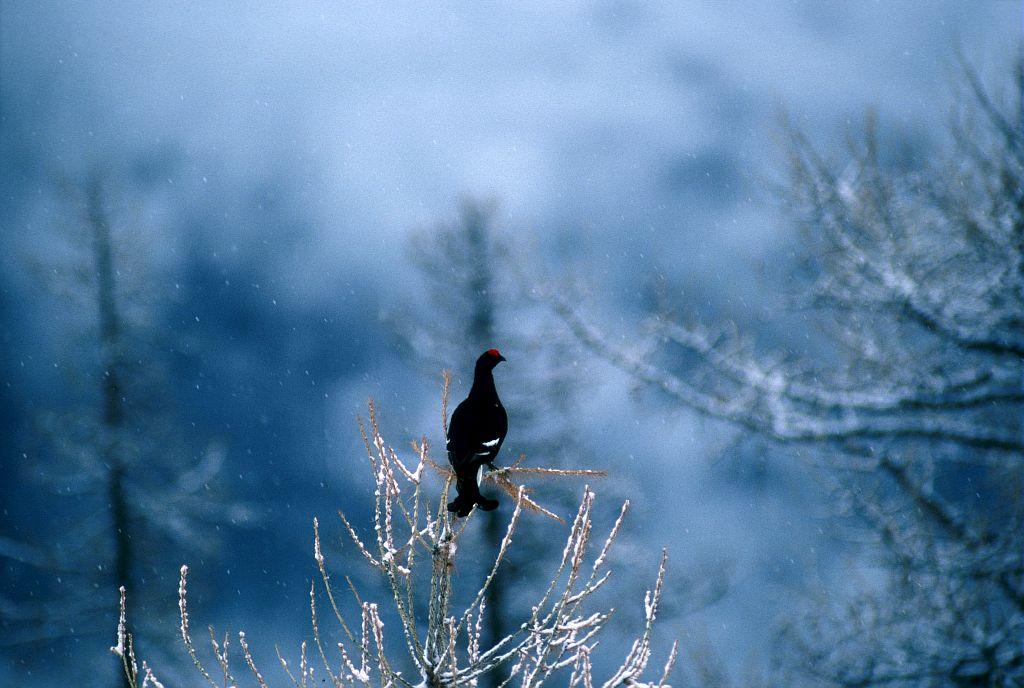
135 492
473 302
915 412
414 550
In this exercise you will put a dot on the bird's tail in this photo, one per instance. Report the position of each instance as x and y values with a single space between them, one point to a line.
468 497
460 506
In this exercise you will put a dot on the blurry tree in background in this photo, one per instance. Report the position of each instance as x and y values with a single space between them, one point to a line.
474 303
912 409
133 497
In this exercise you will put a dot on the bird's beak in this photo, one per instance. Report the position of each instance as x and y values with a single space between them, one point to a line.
500 358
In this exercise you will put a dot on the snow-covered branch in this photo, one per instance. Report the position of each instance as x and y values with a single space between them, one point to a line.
444 646
774 400
910 396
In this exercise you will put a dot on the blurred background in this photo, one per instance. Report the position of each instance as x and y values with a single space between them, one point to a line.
225 226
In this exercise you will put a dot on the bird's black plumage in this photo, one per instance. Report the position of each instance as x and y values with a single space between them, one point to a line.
475 435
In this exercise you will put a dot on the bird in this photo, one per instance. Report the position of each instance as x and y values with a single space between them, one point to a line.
475 435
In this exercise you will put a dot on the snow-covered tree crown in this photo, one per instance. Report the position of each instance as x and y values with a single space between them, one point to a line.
413 550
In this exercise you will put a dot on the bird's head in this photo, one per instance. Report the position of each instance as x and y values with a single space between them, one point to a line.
489 359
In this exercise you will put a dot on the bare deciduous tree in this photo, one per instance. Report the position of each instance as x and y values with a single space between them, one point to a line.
915 413
414 549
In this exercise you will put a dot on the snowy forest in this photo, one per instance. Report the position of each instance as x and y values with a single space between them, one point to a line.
755 272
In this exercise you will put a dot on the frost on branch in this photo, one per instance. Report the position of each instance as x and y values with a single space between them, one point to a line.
414 548
909 403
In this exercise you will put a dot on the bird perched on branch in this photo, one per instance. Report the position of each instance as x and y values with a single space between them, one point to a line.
475 434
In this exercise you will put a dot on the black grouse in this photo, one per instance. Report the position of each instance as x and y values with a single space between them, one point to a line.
475 435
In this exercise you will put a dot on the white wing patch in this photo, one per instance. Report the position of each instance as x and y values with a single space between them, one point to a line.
479 475
492 442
